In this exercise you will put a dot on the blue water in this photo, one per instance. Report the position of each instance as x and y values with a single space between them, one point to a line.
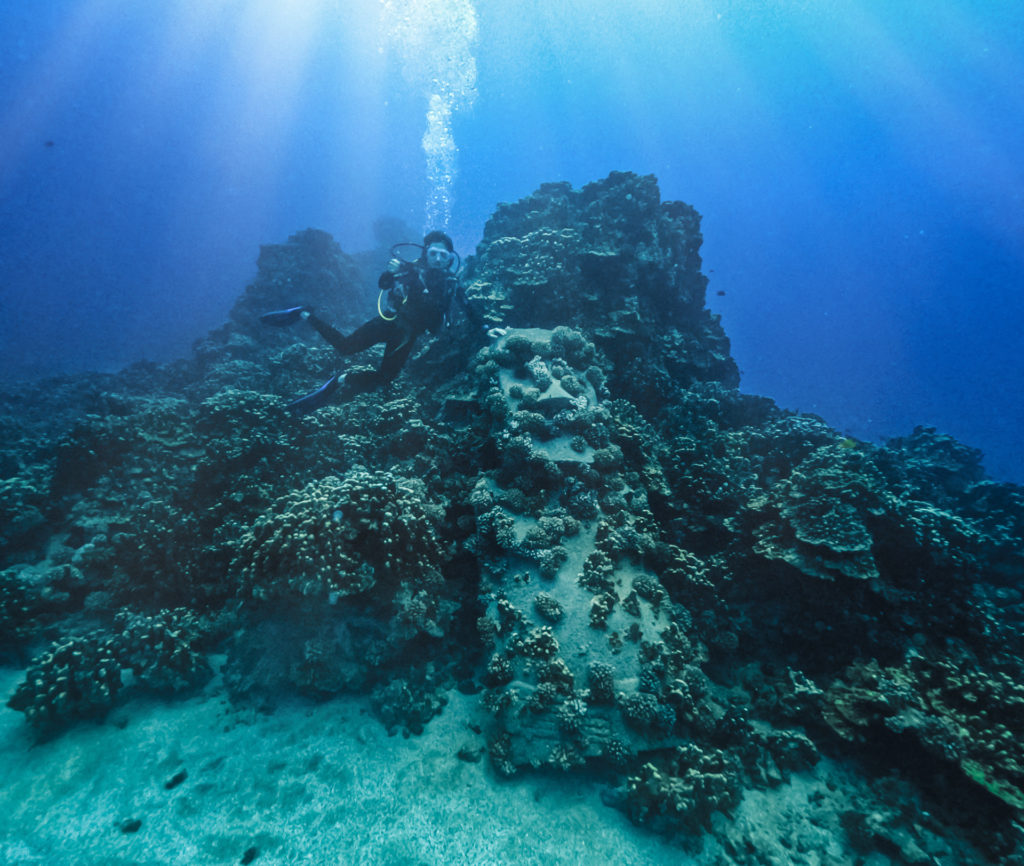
856 162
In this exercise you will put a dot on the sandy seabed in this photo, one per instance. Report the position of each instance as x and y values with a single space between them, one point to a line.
313 784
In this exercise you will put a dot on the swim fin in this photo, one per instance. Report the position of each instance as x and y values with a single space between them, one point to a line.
317 400
281 318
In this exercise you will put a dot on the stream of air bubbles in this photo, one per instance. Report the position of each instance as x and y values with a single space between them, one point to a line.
434 43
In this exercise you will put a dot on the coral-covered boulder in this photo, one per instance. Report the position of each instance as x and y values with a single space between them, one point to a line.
78 678
615 262
83 677
309 268
588 658
341 536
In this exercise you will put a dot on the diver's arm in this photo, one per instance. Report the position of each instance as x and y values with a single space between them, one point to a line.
398 273
397 283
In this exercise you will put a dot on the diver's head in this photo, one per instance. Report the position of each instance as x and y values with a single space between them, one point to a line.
438 249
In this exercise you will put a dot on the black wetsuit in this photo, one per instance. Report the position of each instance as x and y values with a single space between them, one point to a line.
428 294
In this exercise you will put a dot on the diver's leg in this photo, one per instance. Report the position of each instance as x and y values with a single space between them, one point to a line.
366 335
396 353
331 334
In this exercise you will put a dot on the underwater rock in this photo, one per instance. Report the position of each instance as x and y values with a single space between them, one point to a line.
616 262
309 269
558 537
408 704
130 825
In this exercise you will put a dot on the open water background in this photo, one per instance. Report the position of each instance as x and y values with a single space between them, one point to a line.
856 162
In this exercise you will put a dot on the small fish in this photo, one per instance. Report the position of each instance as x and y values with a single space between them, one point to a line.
848 442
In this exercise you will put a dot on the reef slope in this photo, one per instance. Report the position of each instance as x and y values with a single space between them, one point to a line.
622 567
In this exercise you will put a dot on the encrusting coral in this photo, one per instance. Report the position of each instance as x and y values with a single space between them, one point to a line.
823 509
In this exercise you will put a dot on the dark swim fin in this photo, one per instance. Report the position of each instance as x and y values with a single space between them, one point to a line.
317 400
281 318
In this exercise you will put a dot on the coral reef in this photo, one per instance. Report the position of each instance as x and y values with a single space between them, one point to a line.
945 702
632 567
563 540
683 792
84 676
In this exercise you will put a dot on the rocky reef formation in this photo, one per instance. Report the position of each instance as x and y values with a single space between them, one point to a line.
635 568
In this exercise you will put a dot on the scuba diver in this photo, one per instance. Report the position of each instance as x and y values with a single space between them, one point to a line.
414 297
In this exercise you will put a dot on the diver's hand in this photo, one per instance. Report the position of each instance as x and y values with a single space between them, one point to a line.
495 333
395 265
